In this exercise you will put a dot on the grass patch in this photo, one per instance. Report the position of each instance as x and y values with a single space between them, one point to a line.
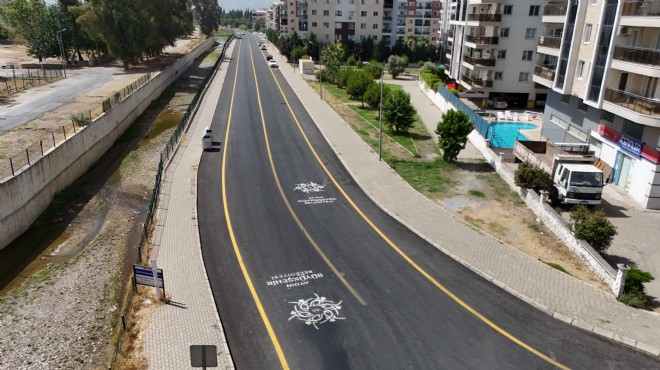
371 115
338 93
226 32
477 193
424 176
556 267
501 189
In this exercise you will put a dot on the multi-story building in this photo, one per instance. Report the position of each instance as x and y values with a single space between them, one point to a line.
601 61
491 47
422 18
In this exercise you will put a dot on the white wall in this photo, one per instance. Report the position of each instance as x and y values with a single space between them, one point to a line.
25 196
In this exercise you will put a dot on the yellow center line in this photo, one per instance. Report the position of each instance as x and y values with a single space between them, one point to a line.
288 205
405 256
246 275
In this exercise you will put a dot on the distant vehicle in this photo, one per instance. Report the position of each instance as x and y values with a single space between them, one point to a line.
207 139
497 103
263 46
272 63
269 57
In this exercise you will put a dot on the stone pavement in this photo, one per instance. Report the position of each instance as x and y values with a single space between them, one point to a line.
553 292
191 318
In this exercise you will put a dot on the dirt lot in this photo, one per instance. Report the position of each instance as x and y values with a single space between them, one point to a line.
473 191
60 310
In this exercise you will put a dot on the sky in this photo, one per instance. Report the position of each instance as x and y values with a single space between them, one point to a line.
230 4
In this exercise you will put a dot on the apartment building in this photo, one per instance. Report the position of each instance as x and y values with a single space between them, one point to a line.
422 18
491 47
601 61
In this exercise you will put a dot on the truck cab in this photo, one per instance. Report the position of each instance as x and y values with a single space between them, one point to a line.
577 184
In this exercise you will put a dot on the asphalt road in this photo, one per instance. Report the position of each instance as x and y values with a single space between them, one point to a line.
307 273
49 97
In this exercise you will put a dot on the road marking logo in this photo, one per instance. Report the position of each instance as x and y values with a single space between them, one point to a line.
311 187
316 311
294 279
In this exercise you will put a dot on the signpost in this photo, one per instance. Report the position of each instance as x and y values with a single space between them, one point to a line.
150 276
203 356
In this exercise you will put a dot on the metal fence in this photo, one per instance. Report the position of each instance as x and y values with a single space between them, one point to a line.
120 95
480 124
165 156
14 82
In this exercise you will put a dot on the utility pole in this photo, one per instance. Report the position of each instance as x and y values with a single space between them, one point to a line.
59 34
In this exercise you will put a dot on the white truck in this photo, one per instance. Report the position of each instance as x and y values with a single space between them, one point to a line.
575 178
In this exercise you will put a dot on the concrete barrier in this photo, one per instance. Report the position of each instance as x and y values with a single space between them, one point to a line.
26 195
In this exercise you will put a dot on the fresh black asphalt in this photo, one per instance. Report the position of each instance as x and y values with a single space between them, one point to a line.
407 322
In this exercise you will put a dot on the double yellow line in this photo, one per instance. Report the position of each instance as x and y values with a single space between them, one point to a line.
364 217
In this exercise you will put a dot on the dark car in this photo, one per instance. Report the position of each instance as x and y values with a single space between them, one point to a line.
269 57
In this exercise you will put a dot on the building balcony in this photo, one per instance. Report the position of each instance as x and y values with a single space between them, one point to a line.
400 32
550 42
484 17
302 16
555 10
478 83
387 18
646 8
546 71
480 62
302 5
482 40
388 6
632 102
637 55
387 30
402 7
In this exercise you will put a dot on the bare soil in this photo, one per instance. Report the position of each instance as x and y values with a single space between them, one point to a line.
61 309
481 198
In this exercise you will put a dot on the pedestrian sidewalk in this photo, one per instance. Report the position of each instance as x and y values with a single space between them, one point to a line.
191 318
553 292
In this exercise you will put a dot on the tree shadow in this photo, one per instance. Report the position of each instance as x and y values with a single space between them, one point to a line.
477 167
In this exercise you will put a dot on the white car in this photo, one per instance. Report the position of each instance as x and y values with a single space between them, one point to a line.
263 46
272 63
497 103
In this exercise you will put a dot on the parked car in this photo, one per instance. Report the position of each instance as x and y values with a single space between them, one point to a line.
272 63
497 103
207 139
269 57
263 46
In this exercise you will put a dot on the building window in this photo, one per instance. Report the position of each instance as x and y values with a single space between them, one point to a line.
501 54
314 24
633 129
498 75
326 13
351 25
314 12
326 25
565 99
374 37
351 2
523 76
363 13
504 32
530 33
576 133
558 121
375 14
337 25
375 26
587 33
508 9
534 10
593 2
582 107
607 116
337 13
527 54
580 69
363 26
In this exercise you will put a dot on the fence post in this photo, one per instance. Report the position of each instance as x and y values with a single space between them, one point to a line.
41 145
64 130
27 153
74 126
11 164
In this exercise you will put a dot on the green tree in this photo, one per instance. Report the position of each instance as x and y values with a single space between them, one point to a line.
593 227
343 76
358 83
207 14
34 21
372 95
398 112
374 68
333 51
396 65
452 132
530 177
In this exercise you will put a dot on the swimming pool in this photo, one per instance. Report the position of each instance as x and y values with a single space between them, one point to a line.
504 134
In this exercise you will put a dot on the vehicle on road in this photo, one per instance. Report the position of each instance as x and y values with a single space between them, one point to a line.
497 102
269 57
263 46
272 63
575 178
207 139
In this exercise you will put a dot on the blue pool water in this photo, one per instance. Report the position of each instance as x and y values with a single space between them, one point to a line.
504 134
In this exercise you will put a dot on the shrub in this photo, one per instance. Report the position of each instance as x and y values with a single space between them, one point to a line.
428 67
453 131
343 76
372 95
351 61
593 227
454 91
396 65
374 68
358 83
430 79
634 293
398 112
529 177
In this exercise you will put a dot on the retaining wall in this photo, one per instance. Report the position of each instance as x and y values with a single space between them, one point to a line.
614 279
26 195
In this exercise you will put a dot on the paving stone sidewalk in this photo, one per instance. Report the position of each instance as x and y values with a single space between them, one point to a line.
191 318
553 292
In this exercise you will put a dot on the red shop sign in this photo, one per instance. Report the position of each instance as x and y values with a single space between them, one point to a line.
609 133
651 154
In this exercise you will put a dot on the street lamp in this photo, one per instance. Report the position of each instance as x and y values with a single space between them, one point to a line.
320 66
59 34
380 116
